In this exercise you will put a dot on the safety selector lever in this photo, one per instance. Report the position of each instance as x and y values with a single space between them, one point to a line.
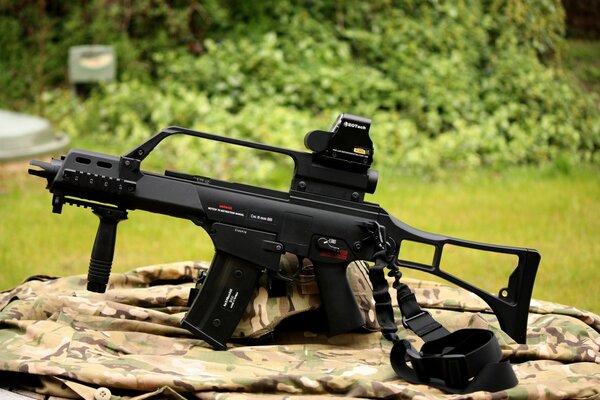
328 244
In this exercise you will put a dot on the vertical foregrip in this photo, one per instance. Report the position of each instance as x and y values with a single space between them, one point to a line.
337 298
104 248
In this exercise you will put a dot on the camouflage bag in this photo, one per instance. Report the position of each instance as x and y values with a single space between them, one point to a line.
265 312
58 339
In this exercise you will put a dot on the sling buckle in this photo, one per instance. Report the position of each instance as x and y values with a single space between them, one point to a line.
414 320
451 369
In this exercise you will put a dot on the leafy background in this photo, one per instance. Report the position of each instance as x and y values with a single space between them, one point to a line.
449 84
486 120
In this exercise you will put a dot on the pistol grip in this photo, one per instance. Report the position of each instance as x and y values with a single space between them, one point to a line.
222 300
337 298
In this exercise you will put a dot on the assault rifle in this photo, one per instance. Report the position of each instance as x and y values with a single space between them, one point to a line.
323 217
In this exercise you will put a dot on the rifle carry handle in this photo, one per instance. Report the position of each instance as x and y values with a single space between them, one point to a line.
222 300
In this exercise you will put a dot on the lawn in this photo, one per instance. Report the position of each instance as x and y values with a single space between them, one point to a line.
554 209
555 212
582 57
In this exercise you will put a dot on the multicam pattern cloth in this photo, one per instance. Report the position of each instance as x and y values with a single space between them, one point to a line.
59 339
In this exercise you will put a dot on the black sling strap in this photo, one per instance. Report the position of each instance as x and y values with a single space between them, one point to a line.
414 318
464 361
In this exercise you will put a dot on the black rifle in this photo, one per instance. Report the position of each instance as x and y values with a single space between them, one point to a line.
323 217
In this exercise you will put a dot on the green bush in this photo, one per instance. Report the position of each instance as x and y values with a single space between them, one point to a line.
448 84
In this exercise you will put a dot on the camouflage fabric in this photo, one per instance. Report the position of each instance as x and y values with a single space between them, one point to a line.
57 338
264 313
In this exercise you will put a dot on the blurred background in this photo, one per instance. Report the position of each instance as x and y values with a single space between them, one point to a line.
486 117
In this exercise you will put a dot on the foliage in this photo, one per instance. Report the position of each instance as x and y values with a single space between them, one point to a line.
448 84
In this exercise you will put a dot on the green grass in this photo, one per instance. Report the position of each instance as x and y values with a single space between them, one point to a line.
582 57
554 209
